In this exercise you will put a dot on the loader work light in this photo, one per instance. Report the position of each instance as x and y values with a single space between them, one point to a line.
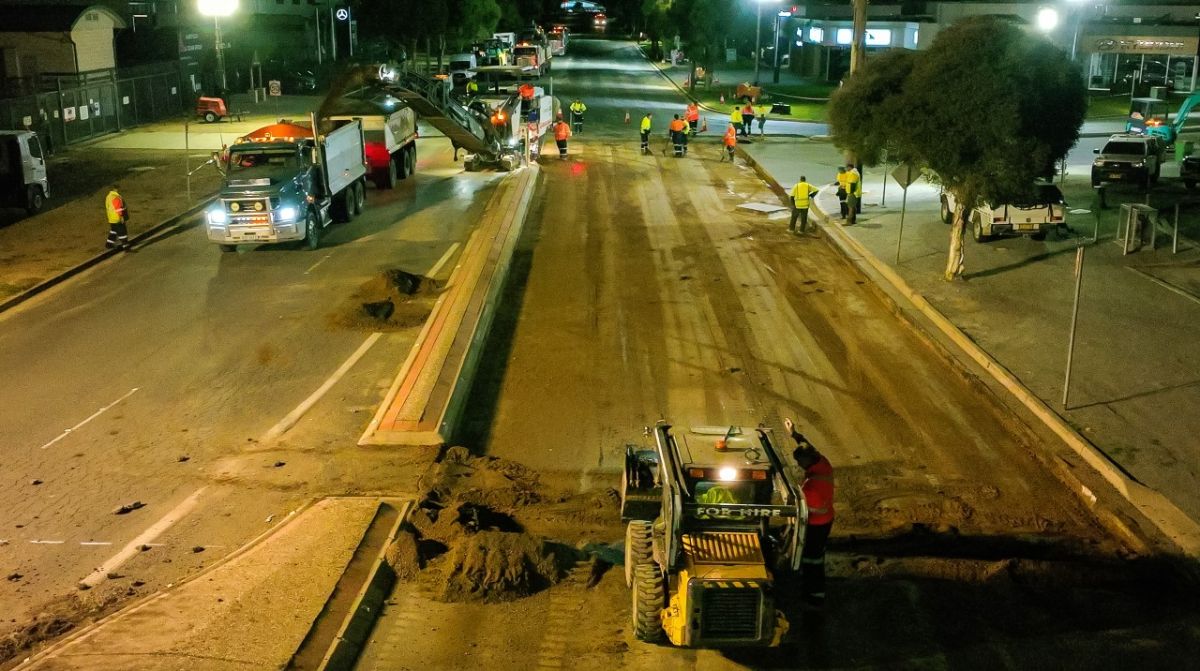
727 473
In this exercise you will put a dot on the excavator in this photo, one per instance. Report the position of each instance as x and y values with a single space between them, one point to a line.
1148 116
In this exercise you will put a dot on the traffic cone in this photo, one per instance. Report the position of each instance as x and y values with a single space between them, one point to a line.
722 98
626 116
704 124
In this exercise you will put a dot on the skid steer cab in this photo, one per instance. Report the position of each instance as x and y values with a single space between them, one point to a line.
711 516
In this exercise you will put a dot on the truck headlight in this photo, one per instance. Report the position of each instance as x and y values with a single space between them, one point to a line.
285 213
1138 164
217 217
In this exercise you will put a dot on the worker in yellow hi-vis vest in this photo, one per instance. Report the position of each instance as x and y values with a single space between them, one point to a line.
802 193
118 216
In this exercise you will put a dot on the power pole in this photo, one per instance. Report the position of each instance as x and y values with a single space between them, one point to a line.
858 49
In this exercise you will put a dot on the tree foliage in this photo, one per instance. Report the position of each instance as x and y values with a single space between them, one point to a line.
987 109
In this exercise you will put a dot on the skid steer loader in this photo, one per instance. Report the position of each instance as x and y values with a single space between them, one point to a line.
711 515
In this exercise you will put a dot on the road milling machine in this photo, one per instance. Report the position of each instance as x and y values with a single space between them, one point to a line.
712 516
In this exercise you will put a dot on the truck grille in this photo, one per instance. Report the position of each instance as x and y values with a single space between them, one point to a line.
729 612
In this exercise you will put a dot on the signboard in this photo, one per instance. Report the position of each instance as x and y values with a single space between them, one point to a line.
905 174
68 114
730 55
83 112
1129 44
275 87
342 13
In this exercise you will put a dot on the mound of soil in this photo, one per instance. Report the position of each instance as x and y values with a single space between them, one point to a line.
392 300
493 566
484 481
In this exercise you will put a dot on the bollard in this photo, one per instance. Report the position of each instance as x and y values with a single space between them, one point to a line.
1074 321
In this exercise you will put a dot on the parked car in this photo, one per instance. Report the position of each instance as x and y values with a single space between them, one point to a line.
1189 171
1042 211
1128 159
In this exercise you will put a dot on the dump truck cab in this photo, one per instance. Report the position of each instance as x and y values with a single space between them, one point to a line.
711 515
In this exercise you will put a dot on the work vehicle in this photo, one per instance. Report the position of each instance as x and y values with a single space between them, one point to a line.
284 183
390 132
23 181
1041 211
506 38
1128 159
462 68
559 34
1189 171
1148 116
710 514
532 58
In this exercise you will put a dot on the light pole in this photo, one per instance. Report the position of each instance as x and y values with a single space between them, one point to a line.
1079 9
216 9
758 38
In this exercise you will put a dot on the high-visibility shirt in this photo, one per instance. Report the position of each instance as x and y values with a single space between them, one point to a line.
578 107
561 130
842 181
735 116
853 183
730 138
762 110
818 491
114 206
472 87
801 193
693 112
748 110
677 125
645 124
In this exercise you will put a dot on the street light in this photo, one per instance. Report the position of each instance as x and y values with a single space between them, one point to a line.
1047 19
216 9
758 38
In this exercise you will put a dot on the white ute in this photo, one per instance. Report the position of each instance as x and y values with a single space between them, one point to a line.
1044 212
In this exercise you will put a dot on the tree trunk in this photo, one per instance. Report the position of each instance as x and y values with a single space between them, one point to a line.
692 79
955 259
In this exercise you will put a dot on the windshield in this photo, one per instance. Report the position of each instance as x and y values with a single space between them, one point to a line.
460 65
1134 148
262 160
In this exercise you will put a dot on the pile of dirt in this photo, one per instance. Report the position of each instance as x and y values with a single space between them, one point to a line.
493 566
484 481
392 300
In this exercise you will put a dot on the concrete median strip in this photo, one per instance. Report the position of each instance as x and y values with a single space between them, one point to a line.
425 401
1160 511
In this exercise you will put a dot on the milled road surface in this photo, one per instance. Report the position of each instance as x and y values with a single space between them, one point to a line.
157 376
643 293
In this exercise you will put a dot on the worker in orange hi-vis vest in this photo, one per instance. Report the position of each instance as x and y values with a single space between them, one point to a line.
818 496
561 132
118 216
730 141
692 115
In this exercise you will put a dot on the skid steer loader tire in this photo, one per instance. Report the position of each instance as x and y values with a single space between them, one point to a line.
648 598
637 547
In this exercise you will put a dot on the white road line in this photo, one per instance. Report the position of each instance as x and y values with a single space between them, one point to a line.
437 267
47 542
116 561
314 266
294 416
95 543
96 414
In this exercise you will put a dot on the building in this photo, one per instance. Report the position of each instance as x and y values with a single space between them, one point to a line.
39 40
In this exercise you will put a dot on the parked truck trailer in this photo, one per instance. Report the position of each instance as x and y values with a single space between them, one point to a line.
282 183
390 133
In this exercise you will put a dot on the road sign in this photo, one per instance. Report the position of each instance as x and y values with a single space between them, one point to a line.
275 87
905 174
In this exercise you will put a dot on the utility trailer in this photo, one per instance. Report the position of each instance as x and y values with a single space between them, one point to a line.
711 516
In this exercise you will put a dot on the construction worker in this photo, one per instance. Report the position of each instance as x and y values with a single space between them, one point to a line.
686 132
675 130
853 194
841 190
118 216
762 119
730 142
802 192
735 118
747 119
561 132
577 110
645 131
472 87
692 116
818 494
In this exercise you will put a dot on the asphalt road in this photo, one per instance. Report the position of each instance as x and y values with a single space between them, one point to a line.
158 376
643 293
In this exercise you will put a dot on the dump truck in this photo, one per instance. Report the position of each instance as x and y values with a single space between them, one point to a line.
23 181
390 132
711 516
284 182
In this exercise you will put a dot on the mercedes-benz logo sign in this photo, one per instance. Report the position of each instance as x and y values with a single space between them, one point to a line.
342 14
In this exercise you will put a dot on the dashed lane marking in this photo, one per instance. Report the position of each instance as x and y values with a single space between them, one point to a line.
177 513
437 267
41 542
314 266
94 415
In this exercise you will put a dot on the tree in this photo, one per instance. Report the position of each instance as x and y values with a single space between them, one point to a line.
655 13
471 20
988 109
863 113
702 24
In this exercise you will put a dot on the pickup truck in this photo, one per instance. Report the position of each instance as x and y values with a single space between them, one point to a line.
23 180
1043 211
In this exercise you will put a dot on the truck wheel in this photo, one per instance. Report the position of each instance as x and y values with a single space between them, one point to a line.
947 215
360 197
228 248
648 602
390 179
35 200
638 547
312 231
977 228
210 117
411 160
